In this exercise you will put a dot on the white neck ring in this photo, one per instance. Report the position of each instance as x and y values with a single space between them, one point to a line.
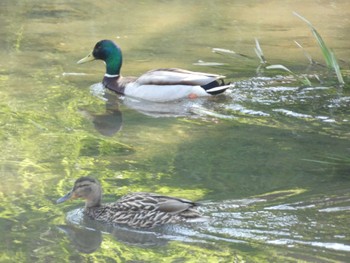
111 76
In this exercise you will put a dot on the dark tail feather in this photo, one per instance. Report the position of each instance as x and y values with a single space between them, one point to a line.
216 87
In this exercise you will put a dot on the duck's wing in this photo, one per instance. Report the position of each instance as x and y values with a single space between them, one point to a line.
175 76
155 202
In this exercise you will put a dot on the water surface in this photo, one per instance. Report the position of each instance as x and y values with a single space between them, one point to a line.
269 160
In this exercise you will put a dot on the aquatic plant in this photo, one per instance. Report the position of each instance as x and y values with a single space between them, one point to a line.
302 79
260 54
328 54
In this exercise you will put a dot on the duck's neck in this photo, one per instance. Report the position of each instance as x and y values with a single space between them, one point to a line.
114 63
93 202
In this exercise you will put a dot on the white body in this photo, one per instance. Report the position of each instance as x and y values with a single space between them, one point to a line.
171 84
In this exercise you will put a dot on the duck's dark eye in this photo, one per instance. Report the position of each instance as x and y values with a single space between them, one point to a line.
97 47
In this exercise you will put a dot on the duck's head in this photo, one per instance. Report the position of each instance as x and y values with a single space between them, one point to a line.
86 188
109 52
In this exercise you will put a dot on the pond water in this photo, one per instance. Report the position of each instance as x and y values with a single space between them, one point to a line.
269 160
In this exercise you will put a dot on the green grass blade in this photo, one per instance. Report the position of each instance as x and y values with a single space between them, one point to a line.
303 79
278 66
337 69
259 52
209 64
225 52
328 55
228 52
306 54
325 51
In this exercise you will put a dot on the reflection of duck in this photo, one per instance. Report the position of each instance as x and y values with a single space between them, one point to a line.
149 108
110 121
169 109
85 240
155 85
89 239
136 210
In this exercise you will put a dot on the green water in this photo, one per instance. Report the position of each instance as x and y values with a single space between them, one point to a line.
269 160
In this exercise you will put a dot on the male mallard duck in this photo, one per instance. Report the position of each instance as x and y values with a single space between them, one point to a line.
144 210
157 85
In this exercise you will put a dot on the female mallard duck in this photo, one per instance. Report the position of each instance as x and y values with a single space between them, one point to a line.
157 85
144 210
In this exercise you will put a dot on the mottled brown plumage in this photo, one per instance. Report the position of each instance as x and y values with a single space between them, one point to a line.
140 210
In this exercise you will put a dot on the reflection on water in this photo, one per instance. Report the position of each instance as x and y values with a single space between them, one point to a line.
86 234
85 240
269 158
179 108
110 121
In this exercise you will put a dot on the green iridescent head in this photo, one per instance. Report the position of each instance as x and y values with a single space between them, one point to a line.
110 53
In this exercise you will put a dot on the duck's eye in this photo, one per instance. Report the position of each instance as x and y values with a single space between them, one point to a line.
97 47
